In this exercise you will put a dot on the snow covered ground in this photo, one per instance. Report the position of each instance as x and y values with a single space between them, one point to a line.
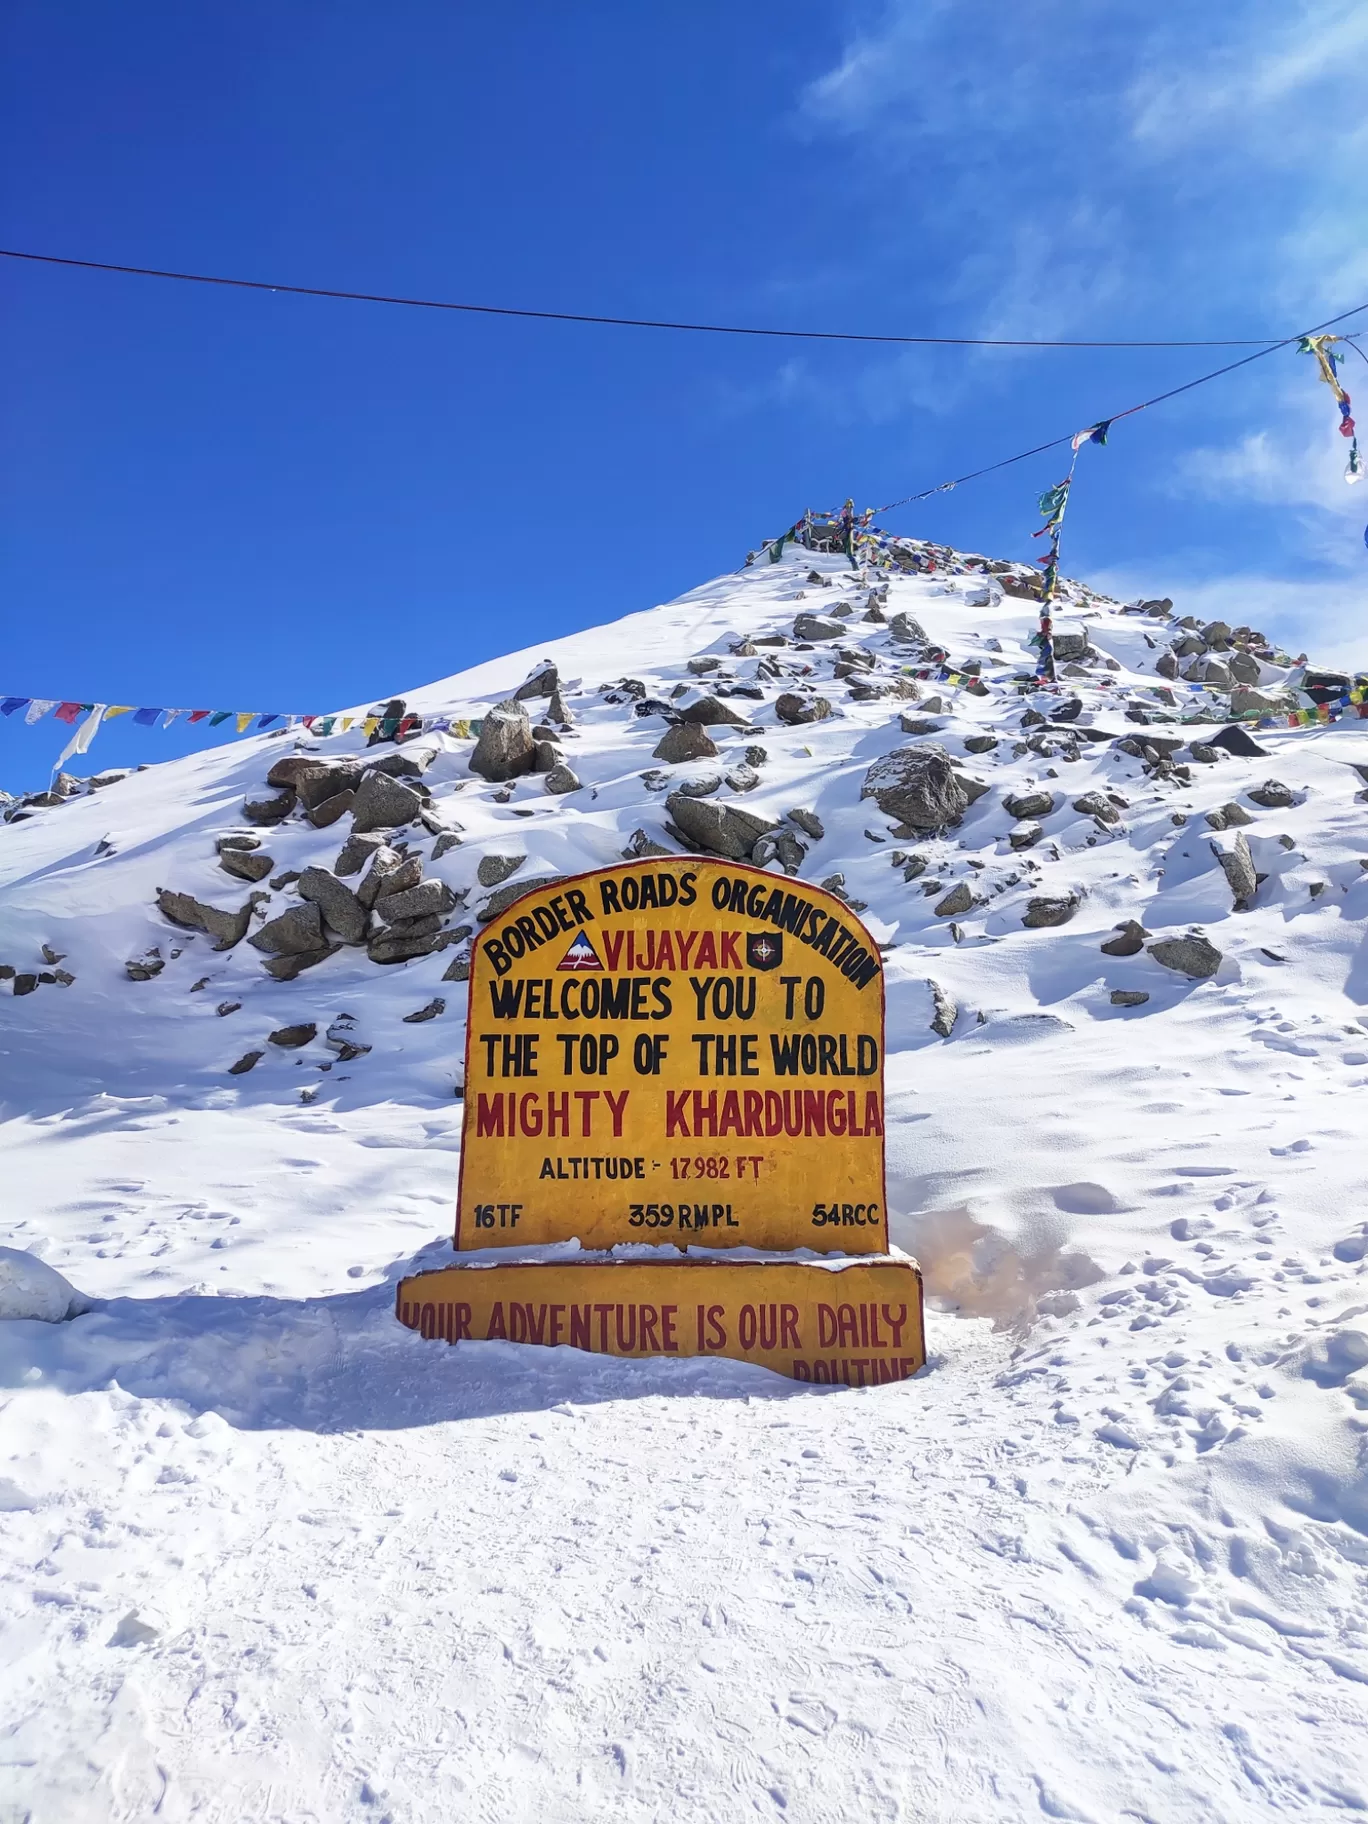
266 1555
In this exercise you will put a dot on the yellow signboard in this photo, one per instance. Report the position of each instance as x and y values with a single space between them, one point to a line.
858 1325
675 1050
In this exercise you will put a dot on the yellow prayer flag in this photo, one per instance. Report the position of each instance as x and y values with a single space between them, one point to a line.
347 722
243 718
369 726
117 709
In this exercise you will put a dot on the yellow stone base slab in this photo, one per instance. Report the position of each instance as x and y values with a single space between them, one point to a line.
857 1323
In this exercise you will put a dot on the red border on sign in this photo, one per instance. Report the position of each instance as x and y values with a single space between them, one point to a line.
627 867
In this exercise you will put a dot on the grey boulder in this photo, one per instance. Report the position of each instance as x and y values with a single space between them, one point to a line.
1273 795
355 852
1029 804
1238 866
242 864
1192 955
431 898
294 933
795 710
226 926
721 829
1047 911
338 904
494 869
918 786
907 627
383 803
816 627
562 779
685 741
959 899
709 713
505 749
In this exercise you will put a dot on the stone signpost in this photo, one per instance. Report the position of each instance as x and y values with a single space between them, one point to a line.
688 1054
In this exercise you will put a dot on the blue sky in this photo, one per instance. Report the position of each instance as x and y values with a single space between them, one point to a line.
239 500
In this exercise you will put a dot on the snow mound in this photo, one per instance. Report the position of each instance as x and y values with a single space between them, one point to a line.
30 1288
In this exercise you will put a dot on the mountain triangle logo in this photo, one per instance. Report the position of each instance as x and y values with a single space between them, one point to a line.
581 954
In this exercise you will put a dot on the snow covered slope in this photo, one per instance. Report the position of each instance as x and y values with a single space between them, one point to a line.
265 1554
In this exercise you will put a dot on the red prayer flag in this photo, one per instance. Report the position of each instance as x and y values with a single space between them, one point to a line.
68 712
198 715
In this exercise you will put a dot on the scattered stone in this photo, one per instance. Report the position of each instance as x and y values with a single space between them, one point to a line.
339 905
355 852
1029 804
499 901
25 982
561 780
430 1012
286 968
545 755
430 899
294 933
741 779
1167 665
544 682
63 977
1192 955
458 969
639 844
1049 910
279 882
918 786
1025 835
505 749
403 766
243 865
816 627
322 816
685 741
908 628
559 711
1128 997
721 829
53 957
796 710
1273 795
446 841
973 789
699 667
709 713
290 1038
945 1010
1129 940
401 946
383 803
494 869
1238 866
1096 804
314 781
1236 740
918 725
398 880
227 927
245 1063
1070 640
808 822
236 842
224 1008
269 810
959 899
980 744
